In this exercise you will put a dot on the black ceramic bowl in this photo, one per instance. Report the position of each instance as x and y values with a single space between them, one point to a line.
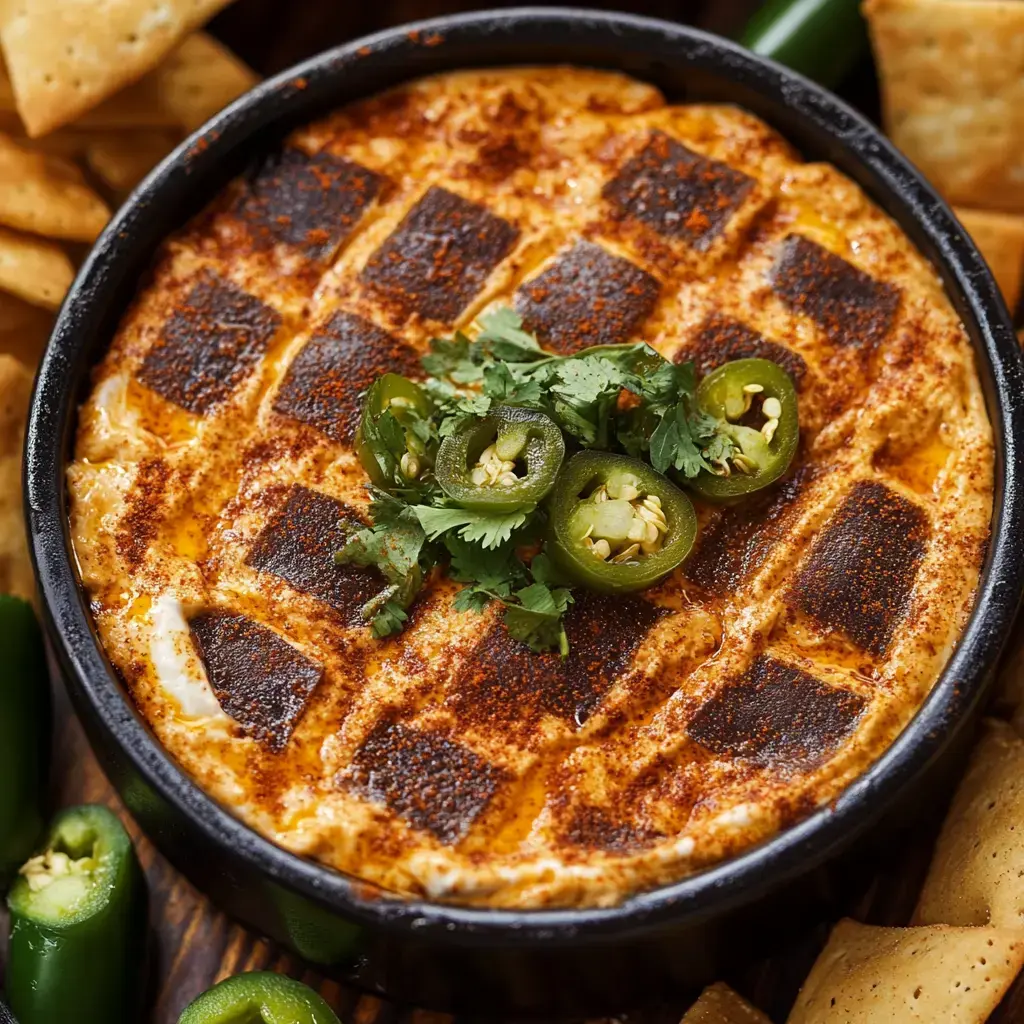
680 936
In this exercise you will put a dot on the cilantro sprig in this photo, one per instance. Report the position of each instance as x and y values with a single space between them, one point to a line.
621 398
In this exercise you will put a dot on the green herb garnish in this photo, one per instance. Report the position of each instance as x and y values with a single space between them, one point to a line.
445 455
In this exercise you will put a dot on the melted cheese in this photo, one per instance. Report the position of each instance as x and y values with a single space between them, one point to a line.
620 773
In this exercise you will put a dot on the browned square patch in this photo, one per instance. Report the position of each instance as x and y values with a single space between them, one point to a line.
325 384
721 339
588 296
505 685
441 255
678 192
209 345
851 307
312 202
298 545
736 540
260 680
777 715
859 575
434 783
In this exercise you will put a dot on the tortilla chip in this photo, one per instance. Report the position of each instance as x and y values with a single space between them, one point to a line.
719 1004
47 196
24 330
34 269
867 974
15 567
200 78
1000 237
122 159
952 80
977 869
65 56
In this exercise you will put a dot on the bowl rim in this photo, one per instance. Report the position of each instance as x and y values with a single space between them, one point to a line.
697 897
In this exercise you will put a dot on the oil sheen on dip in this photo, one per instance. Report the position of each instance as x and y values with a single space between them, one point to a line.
213 468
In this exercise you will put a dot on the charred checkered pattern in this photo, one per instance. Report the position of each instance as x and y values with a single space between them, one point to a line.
681 194
325 384
504 682
586 297
260 680
298 545
721 339
776 715
209 345
735 541
851 307
861 570
310 202
437 785
441 255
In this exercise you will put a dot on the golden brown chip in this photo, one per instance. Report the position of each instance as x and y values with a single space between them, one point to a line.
8 110
867 974
1000 237
199 78
24 329
47 195
122 159
952 77
34 269
719 1004
15 568
977 871
65 56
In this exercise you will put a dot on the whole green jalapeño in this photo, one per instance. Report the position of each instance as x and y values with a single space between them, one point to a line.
505 461
616 524
756 401
393 438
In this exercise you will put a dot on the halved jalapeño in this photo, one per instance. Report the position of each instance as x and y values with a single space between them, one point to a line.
505 461
756 401
617 525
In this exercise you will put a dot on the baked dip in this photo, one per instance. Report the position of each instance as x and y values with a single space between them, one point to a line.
722 638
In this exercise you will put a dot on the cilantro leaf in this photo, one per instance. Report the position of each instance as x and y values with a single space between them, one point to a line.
489 528
504 339
494 569
451 357
509 388
536 619
389 620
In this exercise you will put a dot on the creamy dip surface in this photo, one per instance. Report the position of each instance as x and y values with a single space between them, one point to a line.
213 468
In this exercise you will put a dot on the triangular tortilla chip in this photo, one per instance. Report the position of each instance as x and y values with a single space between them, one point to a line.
24 329
1000 237
122 159
15 567
977 871
34 269
47 196
953 93
866 974
66 56
199 78
719 1004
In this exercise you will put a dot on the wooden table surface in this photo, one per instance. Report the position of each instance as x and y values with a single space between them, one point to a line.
194 945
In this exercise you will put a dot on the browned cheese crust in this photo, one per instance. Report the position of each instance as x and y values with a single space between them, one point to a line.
213 468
